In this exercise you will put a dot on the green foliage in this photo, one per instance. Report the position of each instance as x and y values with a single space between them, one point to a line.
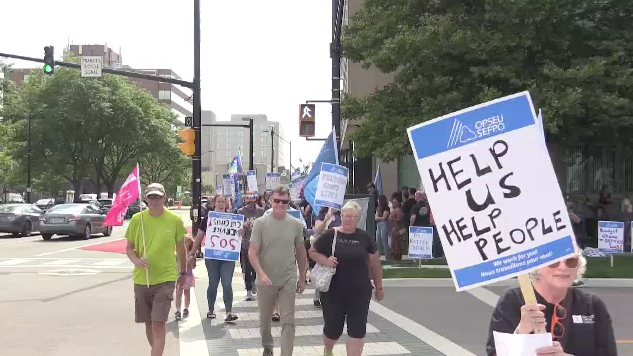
167 166
303 169
86 127
572 55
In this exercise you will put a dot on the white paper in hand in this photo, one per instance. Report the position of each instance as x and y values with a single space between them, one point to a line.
520 344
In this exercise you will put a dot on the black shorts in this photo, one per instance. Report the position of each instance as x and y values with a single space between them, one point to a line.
337 305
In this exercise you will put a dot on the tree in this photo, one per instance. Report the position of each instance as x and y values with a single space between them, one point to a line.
167 166
87 126
304 169
446 55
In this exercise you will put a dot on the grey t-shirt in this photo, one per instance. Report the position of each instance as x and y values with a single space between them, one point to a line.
278 242
249 215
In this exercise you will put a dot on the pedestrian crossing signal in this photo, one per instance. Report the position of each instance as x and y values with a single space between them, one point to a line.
307 127
189 146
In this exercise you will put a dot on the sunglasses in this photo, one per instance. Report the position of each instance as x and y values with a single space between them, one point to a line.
557 329
281 201
570 263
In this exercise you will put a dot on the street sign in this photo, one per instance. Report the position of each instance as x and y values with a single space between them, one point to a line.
306 111
91 66
189 121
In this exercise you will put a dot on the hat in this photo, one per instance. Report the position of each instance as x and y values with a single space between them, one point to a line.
155 189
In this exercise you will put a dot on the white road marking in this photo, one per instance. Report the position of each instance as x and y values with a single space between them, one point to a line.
15 242
428 336
299 314
300 330
110 262
484 295
76 247
190 333
14 262
370 349
59 263
130 267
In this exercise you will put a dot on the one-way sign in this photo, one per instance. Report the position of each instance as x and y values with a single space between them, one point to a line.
306 111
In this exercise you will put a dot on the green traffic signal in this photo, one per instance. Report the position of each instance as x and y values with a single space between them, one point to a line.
48 69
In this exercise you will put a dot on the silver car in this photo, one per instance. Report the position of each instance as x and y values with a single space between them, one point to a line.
19 219
82 220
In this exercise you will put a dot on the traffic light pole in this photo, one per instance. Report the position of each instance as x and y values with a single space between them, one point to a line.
336 55
196 161
272 149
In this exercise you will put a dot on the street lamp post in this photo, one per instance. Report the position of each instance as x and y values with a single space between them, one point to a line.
28 154
272 135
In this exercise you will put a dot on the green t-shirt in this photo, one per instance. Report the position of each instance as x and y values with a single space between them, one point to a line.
161 235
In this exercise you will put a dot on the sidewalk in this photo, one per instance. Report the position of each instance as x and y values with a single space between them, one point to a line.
243 338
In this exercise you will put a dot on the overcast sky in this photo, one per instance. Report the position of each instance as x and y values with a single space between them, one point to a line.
258 57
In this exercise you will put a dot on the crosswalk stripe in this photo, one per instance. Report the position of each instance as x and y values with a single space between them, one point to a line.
299 314
110 263
300 330
253 304
370 349
14 262
59 263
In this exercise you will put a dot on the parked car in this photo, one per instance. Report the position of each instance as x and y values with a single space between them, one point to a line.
45 204
19 219
81 220
134 208
106 203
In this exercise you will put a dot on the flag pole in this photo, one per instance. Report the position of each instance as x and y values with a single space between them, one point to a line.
140 206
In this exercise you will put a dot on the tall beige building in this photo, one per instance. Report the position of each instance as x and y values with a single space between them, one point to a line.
219 145
359 81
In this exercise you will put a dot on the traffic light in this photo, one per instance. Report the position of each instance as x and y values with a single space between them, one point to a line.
189 146
49 60
307 115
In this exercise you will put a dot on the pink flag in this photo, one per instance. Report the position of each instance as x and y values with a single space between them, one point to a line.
128 194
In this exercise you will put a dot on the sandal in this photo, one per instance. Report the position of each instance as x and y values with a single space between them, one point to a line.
230 317
211 315
276 317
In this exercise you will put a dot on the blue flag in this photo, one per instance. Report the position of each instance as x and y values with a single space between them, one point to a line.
236 164
237 201
378 181
328 154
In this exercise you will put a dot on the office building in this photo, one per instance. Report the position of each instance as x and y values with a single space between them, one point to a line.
177 98
219 145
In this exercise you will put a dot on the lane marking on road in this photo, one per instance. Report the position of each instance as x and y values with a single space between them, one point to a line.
484 295
428 336
59 262
77 247
111 262
190 332
40 265
17 261
301 330
63 258
20 241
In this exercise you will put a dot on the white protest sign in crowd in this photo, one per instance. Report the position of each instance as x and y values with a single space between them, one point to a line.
228 185
330 190
251 180
273 180
295 188
223 240
494 219
420 242
611 236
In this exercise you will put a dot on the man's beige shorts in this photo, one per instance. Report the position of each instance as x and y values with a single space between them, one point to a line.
154 302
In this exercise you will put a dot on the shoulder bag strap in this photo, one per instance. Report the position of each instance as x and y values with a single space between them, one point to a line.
334 241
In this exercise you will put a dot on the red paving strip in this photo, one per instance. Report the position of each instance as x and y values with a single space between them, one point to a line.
117 246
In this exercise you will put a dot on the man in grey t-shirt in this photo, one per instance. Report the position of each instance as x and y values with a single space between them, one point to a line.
276 249
251 212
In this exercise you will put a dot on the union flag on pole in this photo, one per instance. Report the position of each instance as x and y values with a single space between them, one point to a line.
129 193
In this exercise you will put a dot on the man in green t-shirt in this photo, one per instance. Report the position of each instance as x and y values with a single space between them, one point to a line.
152 237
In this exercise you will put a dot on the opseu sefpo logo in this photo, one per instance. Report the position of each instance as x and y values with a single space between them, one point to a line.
461 133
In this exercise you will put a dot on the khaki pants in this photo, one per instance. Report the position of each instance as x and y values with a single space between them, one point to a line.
267 296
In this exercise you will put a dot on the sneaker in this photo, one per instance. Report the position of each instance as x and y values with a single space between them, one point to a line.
317 303
230 317
249 296
267 352
178 315
276 317
185 313
254 290
328 353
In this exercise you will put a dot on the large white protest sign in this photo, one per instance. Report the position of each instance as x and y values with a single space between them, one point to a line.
295 188
330 190
273 180
228 185
611 236
494 219
420 242
251 180
223 240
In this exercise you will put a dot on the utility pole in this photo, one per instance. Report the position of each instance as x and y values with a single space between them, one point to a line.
272 149
196 162
28 155
251 149
336 54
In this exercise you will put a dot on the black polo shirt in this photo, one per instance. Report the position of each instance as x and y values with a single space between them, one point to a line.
588 327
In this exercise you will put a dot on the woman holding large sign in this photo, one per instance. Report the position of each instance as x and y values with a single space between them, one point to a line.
578 321
223 232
